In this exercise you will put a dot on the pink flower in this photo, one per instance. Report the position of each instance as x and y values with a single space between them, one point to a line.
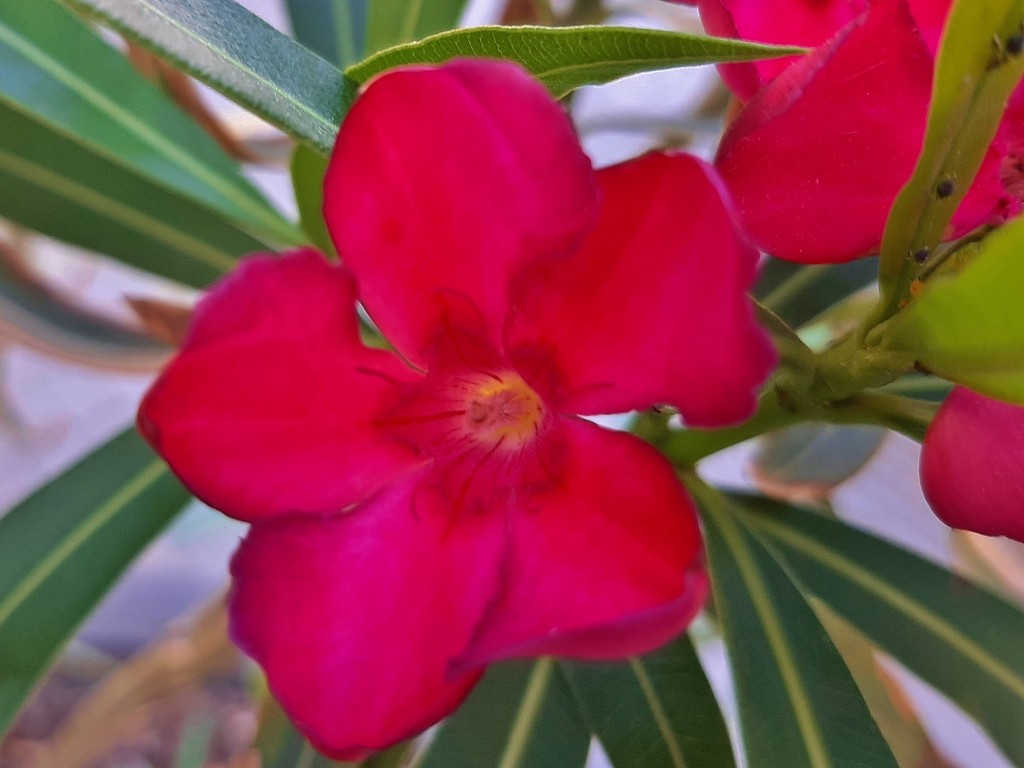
808 23
836 135
421 514
971 465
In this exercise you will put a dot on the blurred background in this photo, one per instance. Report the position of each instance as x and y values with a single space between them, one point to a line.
150 680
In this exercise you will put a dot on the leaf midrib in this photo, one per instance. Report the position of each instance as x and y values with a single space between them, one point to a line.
904 603
761 600
106 206
154 139
78 535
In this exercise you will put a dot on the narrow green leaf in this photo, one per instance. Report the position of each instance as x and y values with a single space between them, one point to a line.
60 187
569 57
63 548
235 52
56 73
814 458
281 746
966 325
522 715
974 77
399 756
799 706
655 711
333 29
799 293
955 635
393 22
920 387
308 169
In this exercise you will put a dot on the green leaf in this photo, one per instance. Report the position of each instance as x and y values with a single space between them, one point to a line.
966 325
521 716
281 746
973 80
62 188
655 711
308 169
814 458
235 52
799 706
955 635
920 387
569 57
799 293
63 548
333 29
58 75
393 22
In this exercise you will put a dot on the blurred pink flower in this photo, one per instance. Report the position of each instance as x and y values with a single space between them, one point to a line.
971 465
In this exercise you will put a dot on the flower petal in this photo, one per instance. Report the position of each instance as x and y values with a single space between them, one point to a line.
686 334
354 618
269 406
606 565
782 22
971 465
833 138
444 180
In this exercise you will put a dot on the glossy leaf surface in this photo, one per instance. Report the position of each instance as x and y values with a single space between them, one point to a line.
955 635
654 711
235 52
63 548
570 57
792 685
57 74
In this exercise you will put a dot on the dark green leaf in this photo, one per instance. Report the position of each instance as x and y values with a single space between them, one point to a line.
60 187
308 169
966 325
569 57
235 52
64 546
955 635
799 706
393 22
57 74
521 716
655 711
333 29
974 77
799 293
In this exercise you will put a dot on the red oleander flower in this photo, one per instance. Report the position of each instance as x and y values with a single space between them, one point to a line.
838 132
971 465
808 23
418 514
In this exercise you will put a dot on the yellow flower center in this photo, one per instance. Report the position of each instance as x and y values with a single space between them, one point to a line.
503 409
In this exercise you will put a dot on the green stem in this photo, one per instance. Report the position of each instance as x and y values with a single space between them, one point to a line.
684 448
